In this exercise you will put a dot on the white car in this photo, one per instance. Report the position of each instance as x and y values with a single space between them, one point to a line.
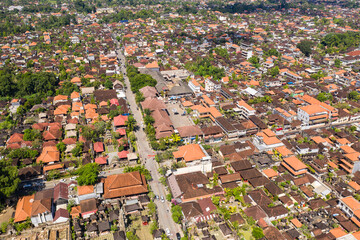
162 199
63 180
73 178
167 231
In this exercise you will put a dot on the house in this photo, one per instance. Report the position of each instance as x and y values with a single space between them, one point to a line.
42 207
189 133
191 186
212 85
194 86
85 192
266 140
125 184
244 109
191 152
61 216
49 155
312 114
294 166
120 121
88 207
61 193
23 208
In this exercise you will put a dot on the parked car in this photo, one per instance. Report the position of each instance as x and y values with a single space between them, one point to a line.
27 185
63 180
167 232
162 199
178 236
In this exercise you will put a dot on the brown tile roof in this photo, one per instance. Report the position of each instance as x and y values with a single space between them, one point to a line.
125 184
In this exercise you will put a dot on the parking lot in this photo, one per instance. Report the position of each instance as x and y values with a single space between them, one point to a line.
176 115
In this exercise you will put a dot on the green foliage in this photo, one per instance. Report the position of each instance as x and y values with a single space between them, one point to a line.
152 208
337 63
215 200
128 15
4 226
273 71
81 6
265 98
168 197
257 233
8 179
114 113
53 174
222 52
77 151
322 97
108 84
56 22
19 227
23 153
139 80
255 61
130 123
343 41
93 132
139 97
131 236
139 168
31 134
61 146
154 226
354 95
177 215
204 67
305 47
88 174
272 52
19 84
318 75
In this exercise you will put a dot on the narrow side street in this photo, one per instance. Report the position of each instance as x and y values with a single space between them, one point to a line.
147 156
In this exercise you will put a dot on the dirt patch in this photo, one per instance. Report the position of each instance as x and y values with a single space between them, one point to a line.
6 214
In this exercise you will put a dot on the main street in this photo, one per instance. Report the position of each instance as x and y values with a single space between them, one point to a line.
147 156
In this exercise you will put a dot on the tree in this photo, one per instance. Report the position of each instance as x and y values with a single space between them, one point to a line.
9 180
322 97
139 97
353 95
31 134
88 174
305 47
337 63
255 61
108 84
130 123
61 146
257 233
274 71
177 215
77 151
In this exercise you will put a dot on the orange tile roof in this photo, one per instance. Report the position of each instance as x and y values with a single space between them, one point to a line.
354 185
53 167
23 208
337 232
49 154
189 152
295 163
270 173
351 202
82 190
296 222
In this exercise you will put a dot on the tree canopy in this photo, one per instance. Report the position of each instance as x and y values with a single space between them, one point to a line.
343 41
19 84
305 47
9 180
88 174
139 80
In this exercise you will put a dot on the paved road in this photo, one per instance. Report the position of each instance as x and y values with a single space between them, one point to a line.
145 152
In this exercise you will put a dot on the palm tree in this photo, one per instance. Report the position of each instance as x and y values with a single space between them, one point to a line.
131 123
175 138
